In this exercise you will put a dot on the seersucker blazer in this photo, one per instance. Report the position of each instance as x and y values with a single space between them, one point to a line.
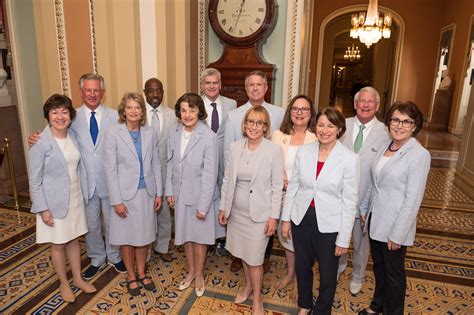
373 144
193 176
265 186
394 198
49 177
91 154
228 105
122 166
168 124
334 191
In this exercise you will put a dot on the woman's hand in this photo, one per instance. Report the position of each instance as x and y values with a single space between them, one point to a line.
222 218
121 210
286 229
392 245
47 217
340 250
270 227
157 204
201 215
170 200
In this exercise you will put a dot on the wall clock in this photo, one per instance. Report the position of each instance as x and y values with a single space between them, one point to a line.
242 27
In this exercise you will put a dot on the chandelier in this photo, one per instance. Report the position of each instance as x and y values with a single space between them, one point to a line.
371 27
352 53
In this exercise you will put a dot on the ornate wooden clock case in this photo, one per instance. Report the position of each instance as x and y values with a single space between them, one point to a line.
242 26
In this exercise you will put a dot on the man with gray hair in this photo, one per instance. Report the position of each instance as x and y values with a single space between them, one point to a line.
217 108
366 136
91 122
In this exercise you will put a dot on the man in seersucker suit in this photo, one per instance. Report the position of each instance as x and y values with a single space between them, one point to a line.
366 136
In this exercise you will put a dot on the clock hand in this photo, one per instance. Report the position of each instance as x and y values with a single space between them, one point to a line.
240 12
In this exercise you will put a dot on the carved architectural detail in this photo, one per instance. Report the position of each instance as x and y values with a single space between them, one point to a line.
62 47
202 29
93 44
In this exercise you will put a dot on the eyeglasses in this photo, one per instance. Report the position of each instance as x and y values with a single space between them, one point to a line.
405 123
363 102
302 110
258 123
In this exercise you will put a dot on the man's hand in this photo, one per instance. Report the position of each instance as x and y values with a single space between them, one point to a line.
157 204
33 138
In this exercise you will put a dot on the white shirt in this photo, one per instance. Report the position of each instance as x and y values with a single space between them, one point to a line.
159 112
184 141
365 132
209 109
98 115
380 164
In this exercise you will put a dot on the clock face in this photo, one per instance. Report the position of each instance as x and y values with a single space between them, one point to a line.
241 18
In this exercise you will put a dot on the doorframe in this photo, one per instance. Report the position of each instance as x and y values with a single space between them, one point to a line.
398 49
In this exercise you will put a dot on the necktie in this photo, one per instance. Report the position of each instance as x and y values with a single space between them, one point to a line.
359 139
214 118
93 127
155 120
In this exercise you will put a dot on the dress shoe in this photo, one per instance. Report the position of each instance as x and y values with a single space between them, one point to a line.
267 265
84 286
200 291
355 287
239 299
67 294
236 265
166 257
183 285
366 312
220 249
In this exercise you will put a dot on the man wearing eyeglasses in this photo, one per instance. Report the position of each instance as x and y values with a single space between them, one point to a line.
255 87
365 135
161 118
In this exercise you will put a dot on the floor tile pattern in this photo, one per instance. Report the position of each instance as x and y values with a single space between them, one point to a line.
440 265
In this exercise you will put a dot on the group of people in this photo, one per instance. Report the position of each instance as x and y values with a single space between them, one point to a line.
235 177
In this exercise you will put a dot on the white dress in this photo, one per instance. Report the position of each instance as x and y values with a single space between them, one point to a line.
74 224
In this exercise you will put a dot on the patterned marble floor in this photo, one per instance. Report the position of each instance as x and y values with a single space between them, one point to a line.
440 266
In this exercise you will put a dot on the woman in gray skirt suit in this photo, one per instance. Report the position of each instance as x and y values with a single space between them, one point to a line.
133 175
191 180
251 199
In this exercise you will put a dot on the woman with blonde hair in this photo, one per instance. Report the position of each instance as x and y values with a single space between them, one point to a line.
133 174
251 199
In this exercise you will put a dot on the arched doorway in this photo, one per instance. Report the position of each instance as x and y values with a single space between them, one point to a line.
378 66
